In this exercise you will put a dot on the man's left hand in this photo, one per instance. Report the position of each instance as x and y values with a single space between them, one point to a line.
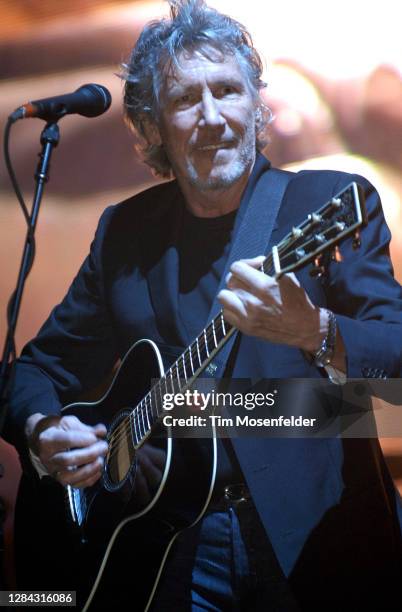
279 311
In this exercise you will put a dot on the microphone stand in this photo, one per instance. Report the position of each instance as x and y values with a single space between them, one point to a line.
49 139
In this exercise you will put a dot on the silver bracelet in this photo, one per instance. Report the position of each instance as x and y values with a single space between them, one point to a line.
326 351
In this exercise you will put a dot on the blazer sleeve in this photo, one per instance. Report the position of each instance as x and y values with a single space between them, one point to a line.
366 298
73 350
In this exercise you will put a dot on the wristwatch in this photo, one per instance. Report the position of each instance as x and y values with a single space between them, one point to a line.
326 351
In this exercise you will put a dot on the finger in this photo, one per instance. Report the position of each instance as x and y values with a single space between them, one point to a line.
257 283
289 280
254 262
88 482
54 440
231 302
80 457
100 430
72 423
246 305
87 473
293 293
235 283
250 300
292 276
234 319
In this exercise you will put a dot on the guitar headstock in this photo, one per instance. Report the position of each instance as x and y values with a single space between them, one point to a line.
321 231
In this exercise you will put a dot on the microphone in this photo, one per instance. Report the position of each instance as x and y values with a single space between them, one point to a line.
88 100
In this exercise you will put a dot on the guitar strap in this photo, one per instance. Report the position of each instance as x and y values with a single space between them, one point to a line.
255 221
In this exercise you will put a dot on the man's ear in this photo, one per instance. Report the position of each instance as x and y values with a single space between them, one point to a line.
151 132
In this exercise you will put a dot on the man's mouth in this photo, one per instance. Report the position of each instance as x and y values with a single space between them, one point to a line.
215 147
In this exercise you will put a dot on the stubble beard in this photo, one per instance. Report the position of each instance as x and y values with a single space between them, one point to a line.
225 179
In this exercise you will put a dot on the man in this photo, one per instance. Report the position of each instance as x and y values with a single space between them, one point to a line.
314 521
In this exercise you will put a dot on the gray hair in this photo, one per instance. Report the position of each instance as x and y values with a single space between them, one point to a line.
192 26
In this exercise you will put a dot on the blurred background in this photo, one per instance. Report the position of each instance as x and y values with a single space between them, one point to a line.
334 85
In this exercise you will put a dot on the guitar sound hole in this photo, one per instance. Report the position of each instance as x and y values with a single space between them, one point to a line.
121 454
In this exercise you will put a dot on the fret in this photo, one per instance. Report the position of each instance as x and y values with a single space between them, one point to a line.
142 427
206 342
131 421
169 378
213 331
184 367
203 349
143 412
223 324
165 380
180 372
198 353
220 332
210 339
135 421
177 367
147 409
159 385
178 375
155 404
191 360
151 412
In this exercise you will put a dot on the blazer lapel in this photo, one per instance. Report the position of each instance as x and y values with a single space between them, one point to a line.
159 243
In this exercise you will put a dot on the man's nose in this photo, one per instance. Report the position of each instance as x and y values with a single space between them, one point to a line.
210 111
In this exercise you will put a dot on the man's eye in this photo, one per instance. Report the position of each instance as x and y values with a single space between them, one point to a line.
227 90
183 100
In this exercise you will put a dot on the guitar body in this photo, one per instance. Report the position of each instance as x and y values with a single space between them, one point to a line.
125 524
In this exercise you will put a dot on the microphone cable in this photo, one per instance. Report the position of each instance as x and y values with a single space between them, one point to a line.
31 237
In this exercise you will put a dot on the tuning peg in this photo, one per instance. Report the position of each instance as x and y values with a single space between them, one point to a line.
315 218
356 240
318 269
336 202
340 226
319 238
336 255
297 232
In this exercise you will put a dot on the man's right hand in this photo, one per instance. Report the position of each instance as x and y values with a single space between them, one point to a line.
70 451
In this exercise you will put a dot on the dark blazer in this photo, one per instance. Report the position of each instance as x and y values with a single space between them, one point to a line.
328 505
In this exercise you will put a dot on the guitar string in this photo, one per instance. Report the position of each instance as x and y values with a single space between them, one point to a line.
123 430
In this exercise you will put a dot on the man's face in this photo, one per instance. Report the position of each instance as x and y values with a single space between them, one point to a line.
207 123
